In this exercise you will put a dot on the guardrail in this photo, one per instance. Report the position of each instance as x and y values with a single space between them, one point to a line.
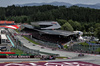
85 49
56 55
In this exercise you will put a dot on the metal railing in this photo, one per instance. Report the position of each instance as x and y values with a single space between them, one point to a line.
81 48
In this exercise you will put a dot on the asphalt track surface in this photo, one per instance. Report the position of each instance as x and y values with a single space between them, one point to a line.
72 55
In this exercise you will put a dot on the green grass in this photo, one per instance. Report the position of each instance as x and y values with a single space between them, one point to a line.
30 40
93 41
61 57
27 38
97 50
84 44
66 47
17 51
17 30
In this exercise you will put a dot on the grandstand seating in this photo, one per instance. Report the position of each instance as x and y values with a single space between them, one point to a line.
46 37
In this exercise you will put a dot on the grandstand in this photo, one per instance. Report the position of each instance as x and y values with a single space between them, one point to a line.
49 32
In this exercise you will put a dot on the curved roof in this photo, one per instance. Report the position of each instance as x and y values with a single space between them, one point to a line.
27 26
50 24
58 32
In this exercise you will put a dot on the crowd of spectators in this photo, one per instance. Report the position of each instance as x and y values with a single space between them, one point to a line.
47 37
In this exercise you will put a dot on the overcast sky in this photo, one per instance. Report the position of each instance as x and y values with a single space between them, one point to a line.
5 3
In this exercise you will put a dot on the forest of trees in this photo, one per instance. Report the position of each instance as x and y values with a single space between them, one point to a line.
70 18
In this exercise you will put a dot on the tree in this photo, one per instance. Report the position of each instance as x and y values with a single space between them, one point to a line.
97 25
97 32
67 27
76 25
2 18
61 21
91 29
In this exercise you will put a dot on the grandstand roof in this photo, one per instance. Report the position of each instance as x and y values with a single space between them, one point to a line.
57 32
48 24
27 26
53 32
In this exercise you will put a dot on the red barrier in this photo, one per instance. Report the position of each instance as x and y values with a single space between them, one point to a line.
11 26
7 52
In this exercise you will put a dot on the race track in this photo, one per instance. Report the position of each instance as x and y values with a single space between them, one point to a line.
72 55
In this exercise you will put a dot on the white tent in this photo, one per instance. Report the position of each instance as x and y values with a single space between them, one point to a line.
80 38
79 32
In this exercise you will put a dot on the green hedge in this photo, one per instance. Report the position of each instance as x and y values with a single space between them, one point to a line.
66 47
93 42
84 44
97 50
